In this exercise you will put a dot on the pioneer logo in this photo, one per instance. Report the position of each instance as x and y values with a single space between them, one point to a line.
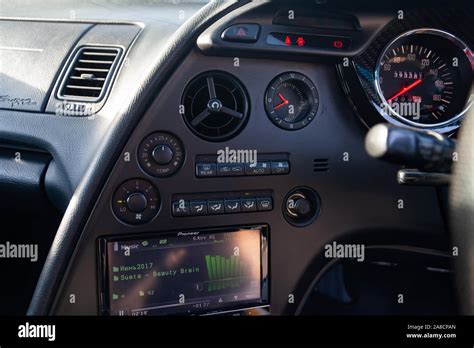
187 234
37 331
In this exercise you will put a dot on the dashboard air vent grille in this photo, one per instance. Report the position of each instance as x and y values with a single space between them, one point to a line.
215 106
320 165
90 73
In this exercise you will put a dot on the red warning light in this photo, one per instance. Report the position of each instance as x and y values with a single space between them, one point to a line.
338 44
287 40
300 41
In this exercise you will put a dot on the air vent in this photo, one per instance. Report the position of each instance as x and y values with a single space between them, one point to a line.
89 74
215 106
320 165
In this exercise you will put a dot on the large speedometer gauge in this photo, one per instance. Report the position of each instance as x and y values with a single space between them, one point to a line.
424 78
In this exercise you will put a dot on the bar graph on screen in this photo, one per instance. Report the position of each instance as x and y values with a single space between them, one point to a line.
224 272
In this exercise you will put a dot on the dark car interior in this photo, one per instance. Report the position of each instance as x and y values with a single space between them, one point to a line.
242 158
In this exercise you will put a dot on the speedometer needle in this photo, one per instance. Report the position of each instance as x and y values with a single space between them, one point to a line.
405 89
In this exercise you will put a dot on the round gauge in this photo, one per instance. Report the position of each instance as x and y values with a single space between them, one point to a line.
160 154
424 78
291 101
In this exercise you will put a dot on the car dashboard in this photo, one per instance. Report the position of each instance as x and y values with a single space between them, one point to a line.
203 156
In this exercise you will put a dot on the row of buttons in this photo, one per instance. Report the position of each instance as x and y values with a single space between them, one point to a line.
221 206
206 170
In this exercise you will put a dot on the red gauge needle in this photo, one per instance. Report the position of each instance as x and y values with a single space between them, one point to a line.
405 89
284 102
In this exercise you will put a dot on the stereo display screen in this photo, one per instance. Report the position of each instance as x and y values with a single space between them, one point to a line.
184 273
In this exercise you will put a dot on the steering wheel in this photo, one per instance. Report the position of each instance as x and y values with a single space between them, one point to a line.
462 214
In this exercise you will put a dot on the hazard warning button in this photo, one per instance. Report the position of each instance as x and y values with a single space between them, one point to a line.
241 33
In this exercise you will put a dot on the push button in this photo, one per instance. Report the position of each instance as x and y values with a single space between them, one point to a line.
241 33
232 206
258 168
234 169
215 207
280 167
264 204
249 204
198 207
180 208
204 170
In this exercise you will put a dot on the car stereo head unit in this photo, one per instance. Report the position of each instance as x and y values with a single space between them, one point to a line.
185 272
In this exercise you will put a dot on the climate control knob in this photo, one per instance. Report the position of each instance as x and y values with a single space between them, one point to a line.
161 154
136 202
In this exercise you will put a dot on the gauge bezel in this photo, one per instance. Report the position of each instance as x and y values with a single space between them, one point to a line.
313 96
393 114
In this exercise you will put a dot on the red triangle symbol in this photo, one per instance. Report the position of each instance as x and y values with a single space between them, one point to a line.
241 32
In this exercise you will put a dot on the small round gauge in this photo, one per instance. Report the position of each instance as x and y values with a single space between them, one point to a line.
291 101
424 78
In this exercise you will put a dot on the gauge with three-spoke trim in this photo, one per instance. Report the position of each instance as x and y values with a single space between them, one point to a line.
291 101
424 78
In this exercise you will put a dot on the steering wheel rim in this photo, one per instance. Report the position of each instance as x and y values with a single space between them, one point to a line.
461 206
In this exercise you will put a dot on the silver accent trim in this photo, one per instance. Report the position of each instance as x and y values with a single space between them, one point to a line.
454 39
415 177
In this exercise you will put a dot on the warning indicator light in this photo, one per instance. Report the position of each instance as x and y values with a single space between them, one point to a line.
287 40
338 44
300 41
